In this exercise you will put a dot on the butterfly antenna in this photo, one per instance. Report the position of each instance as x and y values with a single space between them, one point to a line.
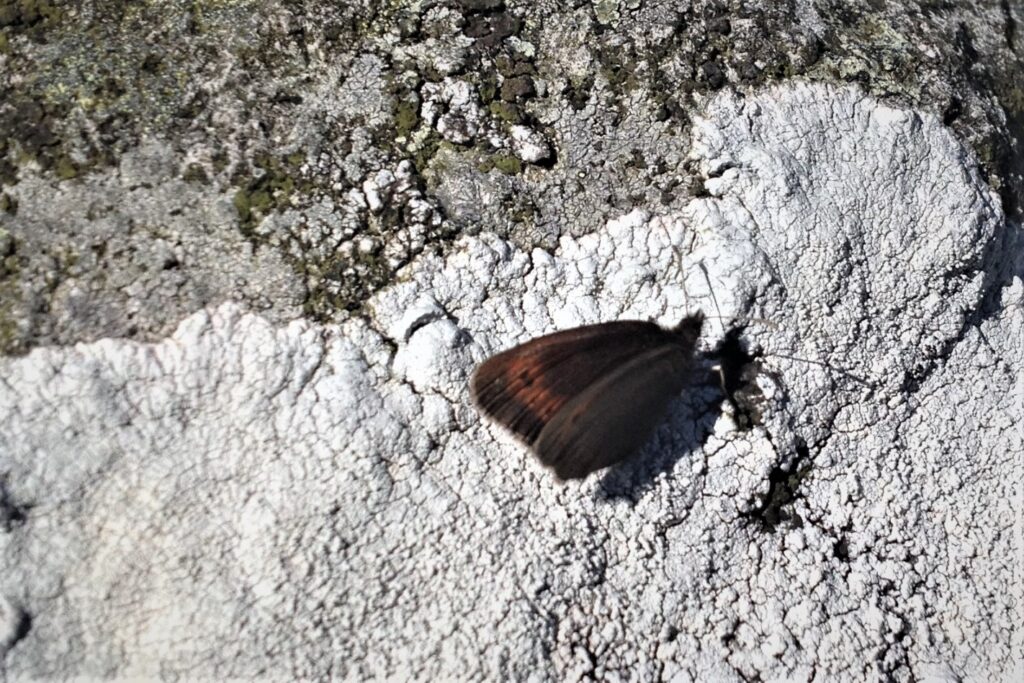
711 290
828 366
714 299
682 273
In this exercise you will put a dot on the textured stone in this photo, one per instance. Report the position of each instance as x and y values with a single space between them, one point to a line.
252 499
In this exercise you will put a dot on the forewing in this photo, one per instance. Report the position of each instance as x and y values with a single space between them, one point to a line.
526 386
614 417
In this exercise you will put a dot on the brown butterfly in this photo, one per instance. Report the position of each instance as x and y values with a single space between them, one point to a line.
587 398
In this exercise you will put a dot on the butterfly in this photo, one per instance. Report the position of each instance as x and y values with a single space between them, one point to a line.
587 398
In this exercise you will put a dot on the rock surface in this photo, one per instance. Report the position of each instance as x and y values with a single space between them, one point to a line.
294 157
249 497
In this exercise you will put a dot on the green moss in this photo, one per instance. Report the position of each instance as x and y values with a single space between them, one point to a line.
525 214
506 111
1013 100
987 152
507 164
261 200
351 281
505 65
220 161
30 14
243 206
10 294
195 173
64 168
406 118
502 161
426 151
618 67
10 342
487 87
269 190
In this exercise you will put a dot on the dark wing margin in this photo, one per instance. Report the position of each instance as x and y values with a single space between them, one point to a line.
615 416
524 387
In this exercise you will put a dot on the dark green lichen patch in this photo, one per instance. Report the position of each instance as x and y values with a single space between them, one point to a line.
397 137
345 279
28 136
505 77
619 67
426 151
195 173
343 282
351 252
11 341
33 17
131 70
506 163
8 204
270 188
406 118
578 91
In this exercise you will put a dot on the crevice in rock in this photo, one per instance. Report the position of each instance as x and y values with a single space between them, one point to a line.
783 489
21 630
1010 29
12 513
841 549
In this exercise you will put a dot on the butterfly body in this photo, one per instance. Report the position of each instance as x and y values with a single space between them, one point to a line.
586 398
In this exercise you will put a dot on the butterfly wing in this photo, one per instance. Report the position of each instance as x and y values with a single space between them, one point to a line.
615 416
524 387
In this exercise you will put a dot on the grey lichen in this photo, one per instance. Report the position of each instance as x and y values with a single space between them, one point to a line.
238 88
11 342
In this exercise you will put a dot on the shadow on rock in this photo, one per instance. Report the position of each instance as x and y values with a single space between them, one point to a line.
687 425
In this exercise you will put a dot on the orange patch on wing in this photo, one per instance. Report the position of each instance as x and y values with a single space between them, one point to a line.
540 397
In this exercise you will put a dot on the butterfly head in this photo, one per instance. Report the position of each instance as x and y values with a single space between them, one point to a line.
689 328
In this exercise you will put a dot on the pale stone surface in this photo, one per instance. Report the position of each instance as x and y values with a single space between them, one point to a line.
249 499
